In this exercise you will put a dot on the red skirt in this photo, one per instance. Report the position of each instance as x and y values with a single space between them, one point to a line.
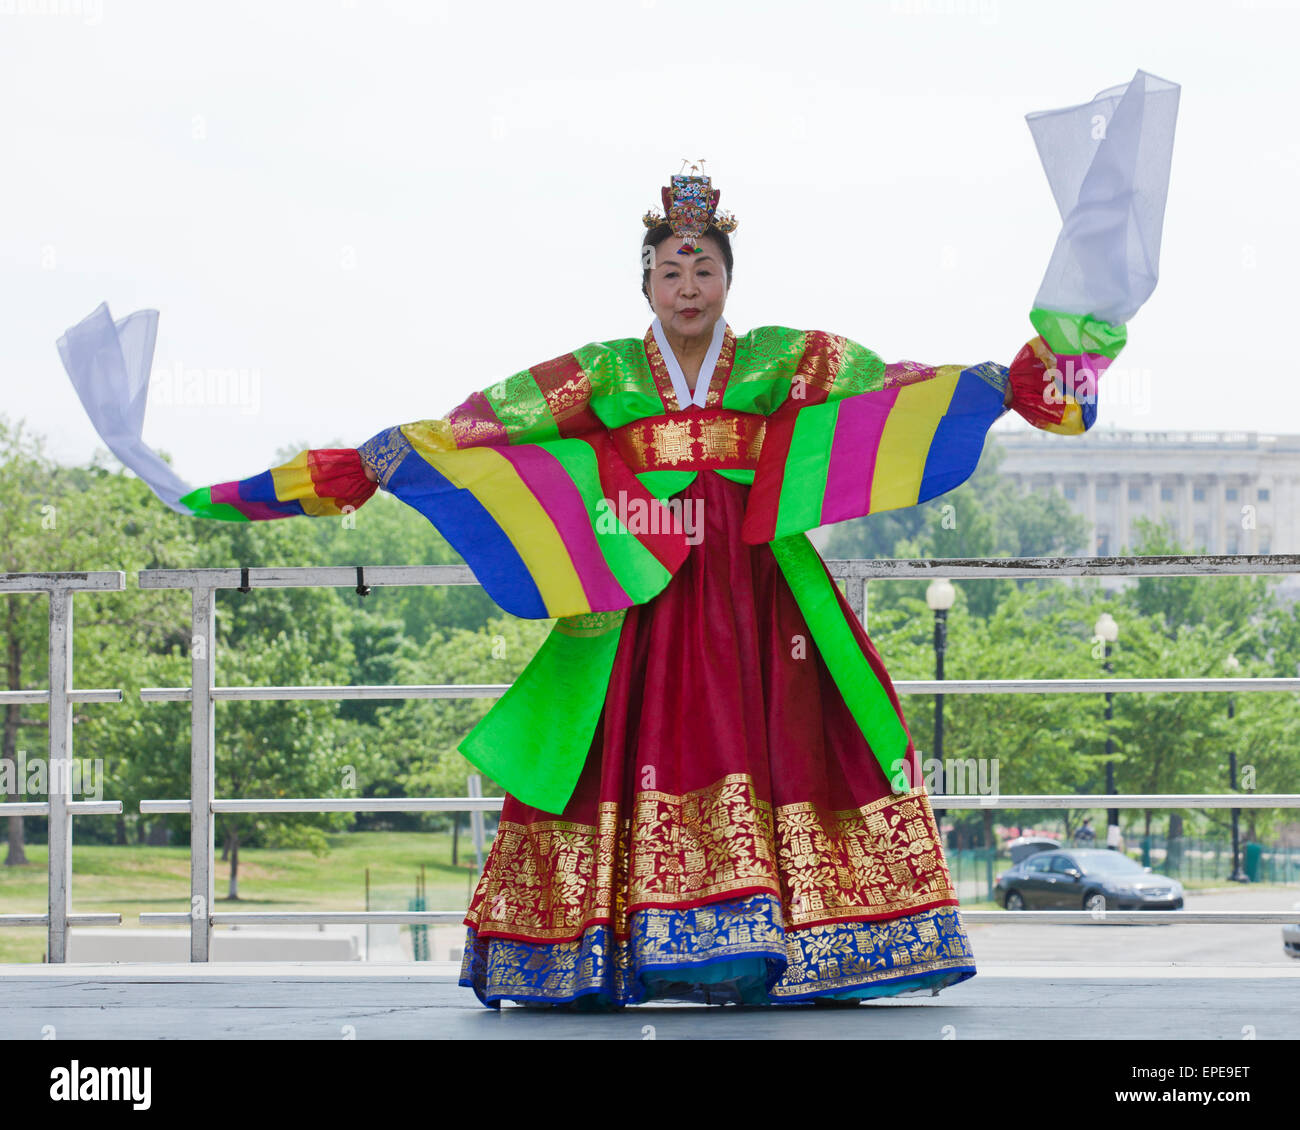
732 836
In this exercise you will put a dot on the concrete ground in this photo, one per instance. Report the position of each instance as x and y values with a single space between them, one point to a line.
1008 1002
1034 982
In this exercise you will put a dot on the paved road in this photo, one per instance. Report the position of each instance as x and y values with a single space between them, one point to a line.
1105 944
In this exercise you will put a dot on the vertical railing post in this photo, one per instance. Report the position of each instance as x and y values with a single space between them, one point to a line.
856 590
476 820
203 645
60 779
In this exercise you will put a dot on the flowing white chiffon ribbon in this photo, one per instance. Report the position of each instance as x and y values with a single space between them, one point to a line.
109 363
1108 164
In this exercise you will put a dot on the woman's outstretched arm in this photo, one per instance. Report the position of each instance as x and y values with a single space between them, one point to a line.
316 483
855 435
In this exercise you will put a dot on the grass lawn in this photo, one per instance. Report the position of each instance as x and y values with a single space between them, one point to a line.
130 879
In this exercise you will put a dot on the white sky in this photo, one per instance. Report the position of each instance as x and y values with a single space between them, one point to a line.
373 209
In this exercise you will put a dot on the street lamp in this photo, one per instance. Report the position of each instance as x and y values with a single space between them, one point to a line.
1108 632
939 595
1232 663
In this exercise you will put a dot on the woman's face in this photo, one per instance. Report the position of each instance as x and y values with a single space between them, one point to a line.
688 291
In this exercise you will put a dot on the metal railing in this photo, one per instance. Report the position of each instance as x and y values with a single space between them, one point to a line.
203 693
60 696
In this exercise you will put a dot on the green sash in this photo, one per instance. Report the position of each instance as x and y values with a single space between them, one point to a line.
863 692
534 741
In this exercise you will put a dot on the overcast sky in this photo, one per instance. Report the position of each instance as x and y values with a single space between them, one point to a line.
370 210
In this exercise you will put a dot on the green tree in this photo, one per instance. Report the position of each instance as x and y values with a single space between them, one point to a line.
986 516
421 736
29 487
1233 603
60 519
1036 743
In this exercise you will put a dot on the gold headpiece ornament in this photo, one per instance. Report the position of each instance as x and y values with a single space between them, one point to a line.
690 204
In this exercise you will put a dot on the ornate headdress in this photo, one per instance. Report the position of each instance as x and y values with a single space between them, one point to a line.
690 205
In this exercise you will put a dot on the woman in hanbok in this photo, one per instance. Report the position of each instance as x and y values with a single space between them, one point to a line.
711 791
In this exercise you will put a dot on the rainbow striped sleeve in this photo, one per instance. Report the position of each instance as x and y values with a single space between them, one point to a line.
318 482
525 483
860 436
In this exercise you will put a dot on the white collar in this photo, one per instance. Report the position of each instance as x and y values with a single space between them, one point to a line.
707 366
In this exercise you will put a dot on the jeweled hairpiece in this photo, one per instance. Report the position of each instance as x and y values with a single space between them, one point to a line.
690 204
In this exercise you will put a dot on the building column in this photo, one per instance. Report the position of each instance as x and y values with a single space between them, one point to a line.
1121 523
1215 542
1250 538
1288 523
1185 510
1232 513
1090 512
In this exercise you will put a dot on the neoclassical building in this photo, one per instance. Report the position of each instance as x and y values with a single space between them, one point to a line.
1225 492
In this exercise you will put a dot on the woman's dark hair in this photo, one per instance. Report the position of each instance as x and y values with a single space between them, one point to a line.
656 235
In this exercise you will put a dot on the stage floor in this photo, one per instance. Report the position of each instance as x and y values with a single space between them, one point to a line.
308 1001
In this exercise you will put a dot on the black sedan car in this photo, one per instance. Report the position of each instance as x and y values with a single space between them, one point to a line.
1085 879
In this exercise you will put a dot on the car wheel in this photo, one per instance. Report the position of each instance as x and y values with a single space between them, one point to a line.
1094 901
1015 900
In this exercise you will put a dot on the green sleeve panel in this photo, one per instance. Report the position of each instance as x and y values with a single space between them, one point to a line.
535 740
765 364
